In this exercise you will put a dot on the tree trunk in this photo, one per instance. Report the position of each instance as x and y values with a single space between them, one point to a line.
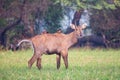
77 17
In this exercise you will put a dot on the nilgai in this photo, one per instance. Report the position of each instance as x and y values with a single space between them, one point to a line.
57 43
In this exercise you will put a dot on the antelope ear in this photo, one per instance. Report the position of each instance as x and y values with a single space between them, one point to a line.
84 26
72 26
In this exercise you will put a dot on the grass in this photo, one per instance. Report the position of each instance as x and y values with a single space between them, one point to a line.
84 64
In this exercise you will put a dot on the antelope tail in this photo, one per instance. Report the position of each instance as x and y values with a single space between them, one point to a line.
25 40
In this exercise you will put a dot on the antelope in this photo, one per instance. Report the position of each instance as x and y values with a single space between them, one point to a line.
57 43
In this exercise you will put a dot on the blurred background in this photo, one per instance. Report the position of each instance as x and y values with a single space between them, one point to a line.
21 19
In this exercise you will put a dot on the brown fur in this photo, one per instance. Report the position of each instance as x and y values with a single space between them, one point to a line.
57 43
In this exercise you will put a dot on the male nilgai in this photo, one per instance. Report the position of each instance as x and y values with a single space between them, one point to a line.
57 43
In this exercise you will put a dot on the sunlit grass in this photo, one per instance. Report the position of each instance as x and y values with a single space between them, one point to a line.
84 64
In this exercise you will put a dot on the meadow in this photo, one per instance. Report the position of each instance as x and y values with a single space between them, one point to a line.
84 64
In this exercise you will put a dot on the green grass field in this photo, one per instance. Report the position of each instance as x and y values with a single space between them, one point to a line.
84 64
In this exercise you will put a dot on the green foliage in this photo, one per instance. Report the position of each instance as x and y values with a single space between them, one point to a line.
2 23
7 3
53 17
95 4
117 2
84 64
